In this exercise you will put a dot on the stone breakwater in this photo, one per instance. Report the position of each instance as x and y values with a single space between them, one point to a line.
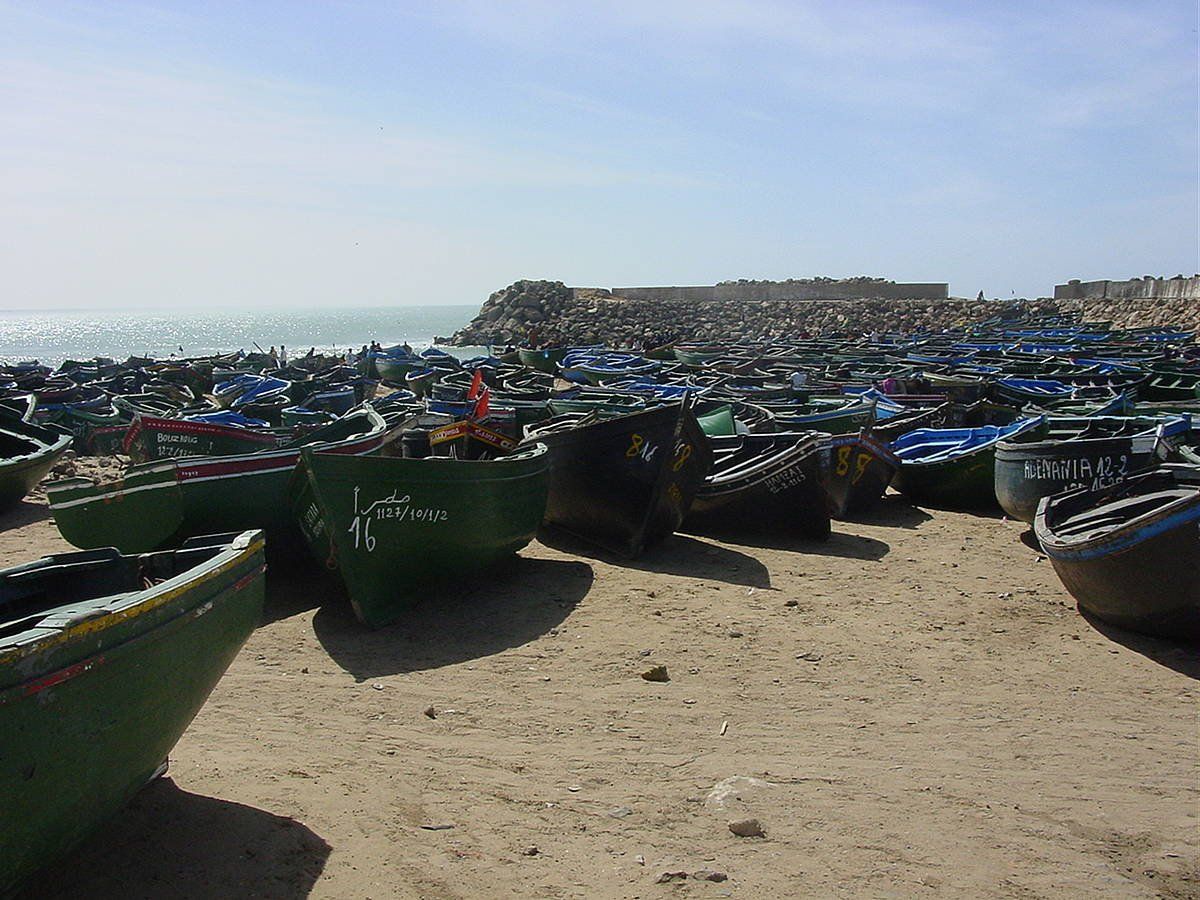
554 314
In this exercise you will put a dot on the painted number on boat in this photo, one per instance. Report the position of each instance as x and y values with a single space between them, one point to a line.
682 456
843 464
1080 471
394 508
640 447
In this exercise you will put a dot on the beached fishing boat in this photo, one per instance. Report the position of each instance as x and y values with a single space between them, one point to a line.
104 661
859 469
27 453
1130 553
830 416
394 526
623 483
543 360
150 438
161 503
1100 453
764 483
953 467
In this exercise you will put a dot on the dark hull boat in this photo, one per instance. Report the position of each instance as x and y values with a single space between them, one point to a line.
623 483
1130 554
393 526
104 661
1027 471
858 470
27 453
764 482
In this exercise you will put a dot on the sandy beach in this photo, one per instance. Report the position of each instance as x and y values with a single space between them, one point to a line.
914 708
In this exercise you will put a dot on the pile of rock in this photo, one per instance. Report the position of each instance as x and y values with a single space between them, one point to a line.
1137 312
512 314
553 314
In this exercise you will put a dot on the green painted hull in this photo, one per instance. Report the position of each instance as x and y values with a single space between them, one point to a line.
393 526
160 504
546 360
27 453
391 370
967 482
93 700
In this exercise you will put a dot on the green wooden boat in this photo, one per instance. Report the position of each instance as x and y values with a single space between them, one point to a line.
954 467
159 504
27 452
104 661
544 360
394 526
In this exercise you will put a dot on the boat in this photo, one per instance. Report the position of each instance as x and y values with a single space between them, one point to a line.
623 483
543 360
151 437
104 661
1130 553
27 453
859 468
1099 454
830 416
953 467
160 503
393 526
764 482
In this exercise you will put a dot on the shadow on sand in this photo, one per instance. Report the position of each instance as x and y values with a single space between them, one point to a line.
512 605
1175 655
296 584
171 843
679 554
23 513
893 511
847 546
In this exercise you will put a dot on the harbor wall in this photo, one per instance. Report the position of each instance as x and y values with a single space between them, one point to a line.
1146 288
798 289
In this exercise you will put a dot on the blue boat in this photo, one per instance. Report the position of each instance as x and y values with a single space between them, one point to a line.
953 467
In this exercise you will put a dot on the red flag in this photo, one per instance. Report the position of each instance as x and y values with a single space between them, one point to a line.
481 405
476 385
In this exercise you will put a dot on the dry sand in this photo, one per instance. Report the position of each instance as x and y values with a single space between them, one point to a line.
930 713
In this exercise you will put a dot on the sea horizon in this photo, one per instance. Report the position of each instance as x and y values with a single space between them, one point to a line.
53 335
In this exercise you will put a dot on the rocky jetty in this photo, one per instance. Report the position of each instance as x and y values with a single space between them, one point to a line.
553 314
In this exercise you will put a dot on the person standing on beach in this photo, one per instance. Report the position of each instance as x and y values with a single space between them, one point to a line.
282 355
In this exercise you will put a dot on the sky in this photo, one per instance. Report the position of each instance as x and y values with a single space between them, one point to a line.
305 154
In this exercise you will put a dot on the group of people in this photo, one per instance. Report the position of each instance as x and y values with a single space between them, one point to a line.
373 347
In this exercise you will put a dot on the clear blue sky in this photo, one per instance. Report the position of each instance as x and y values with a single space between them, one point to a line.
373 153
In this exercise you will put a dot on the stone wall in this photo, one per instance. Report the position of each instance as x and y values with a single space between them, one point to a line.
791 289
1147 287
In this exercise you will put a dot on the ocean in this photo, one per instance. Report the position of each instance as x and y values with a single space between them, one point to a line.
54 335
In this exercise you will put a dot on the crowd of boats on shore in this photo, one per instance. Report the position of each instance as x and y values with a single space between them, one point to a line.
406 470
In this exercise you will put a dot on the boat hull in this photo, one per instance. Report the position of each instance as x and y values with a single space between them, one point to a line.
1027 472
40 448
393 526
859 470
625 484
159 504
1142 576
150 438
785 492
95 716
